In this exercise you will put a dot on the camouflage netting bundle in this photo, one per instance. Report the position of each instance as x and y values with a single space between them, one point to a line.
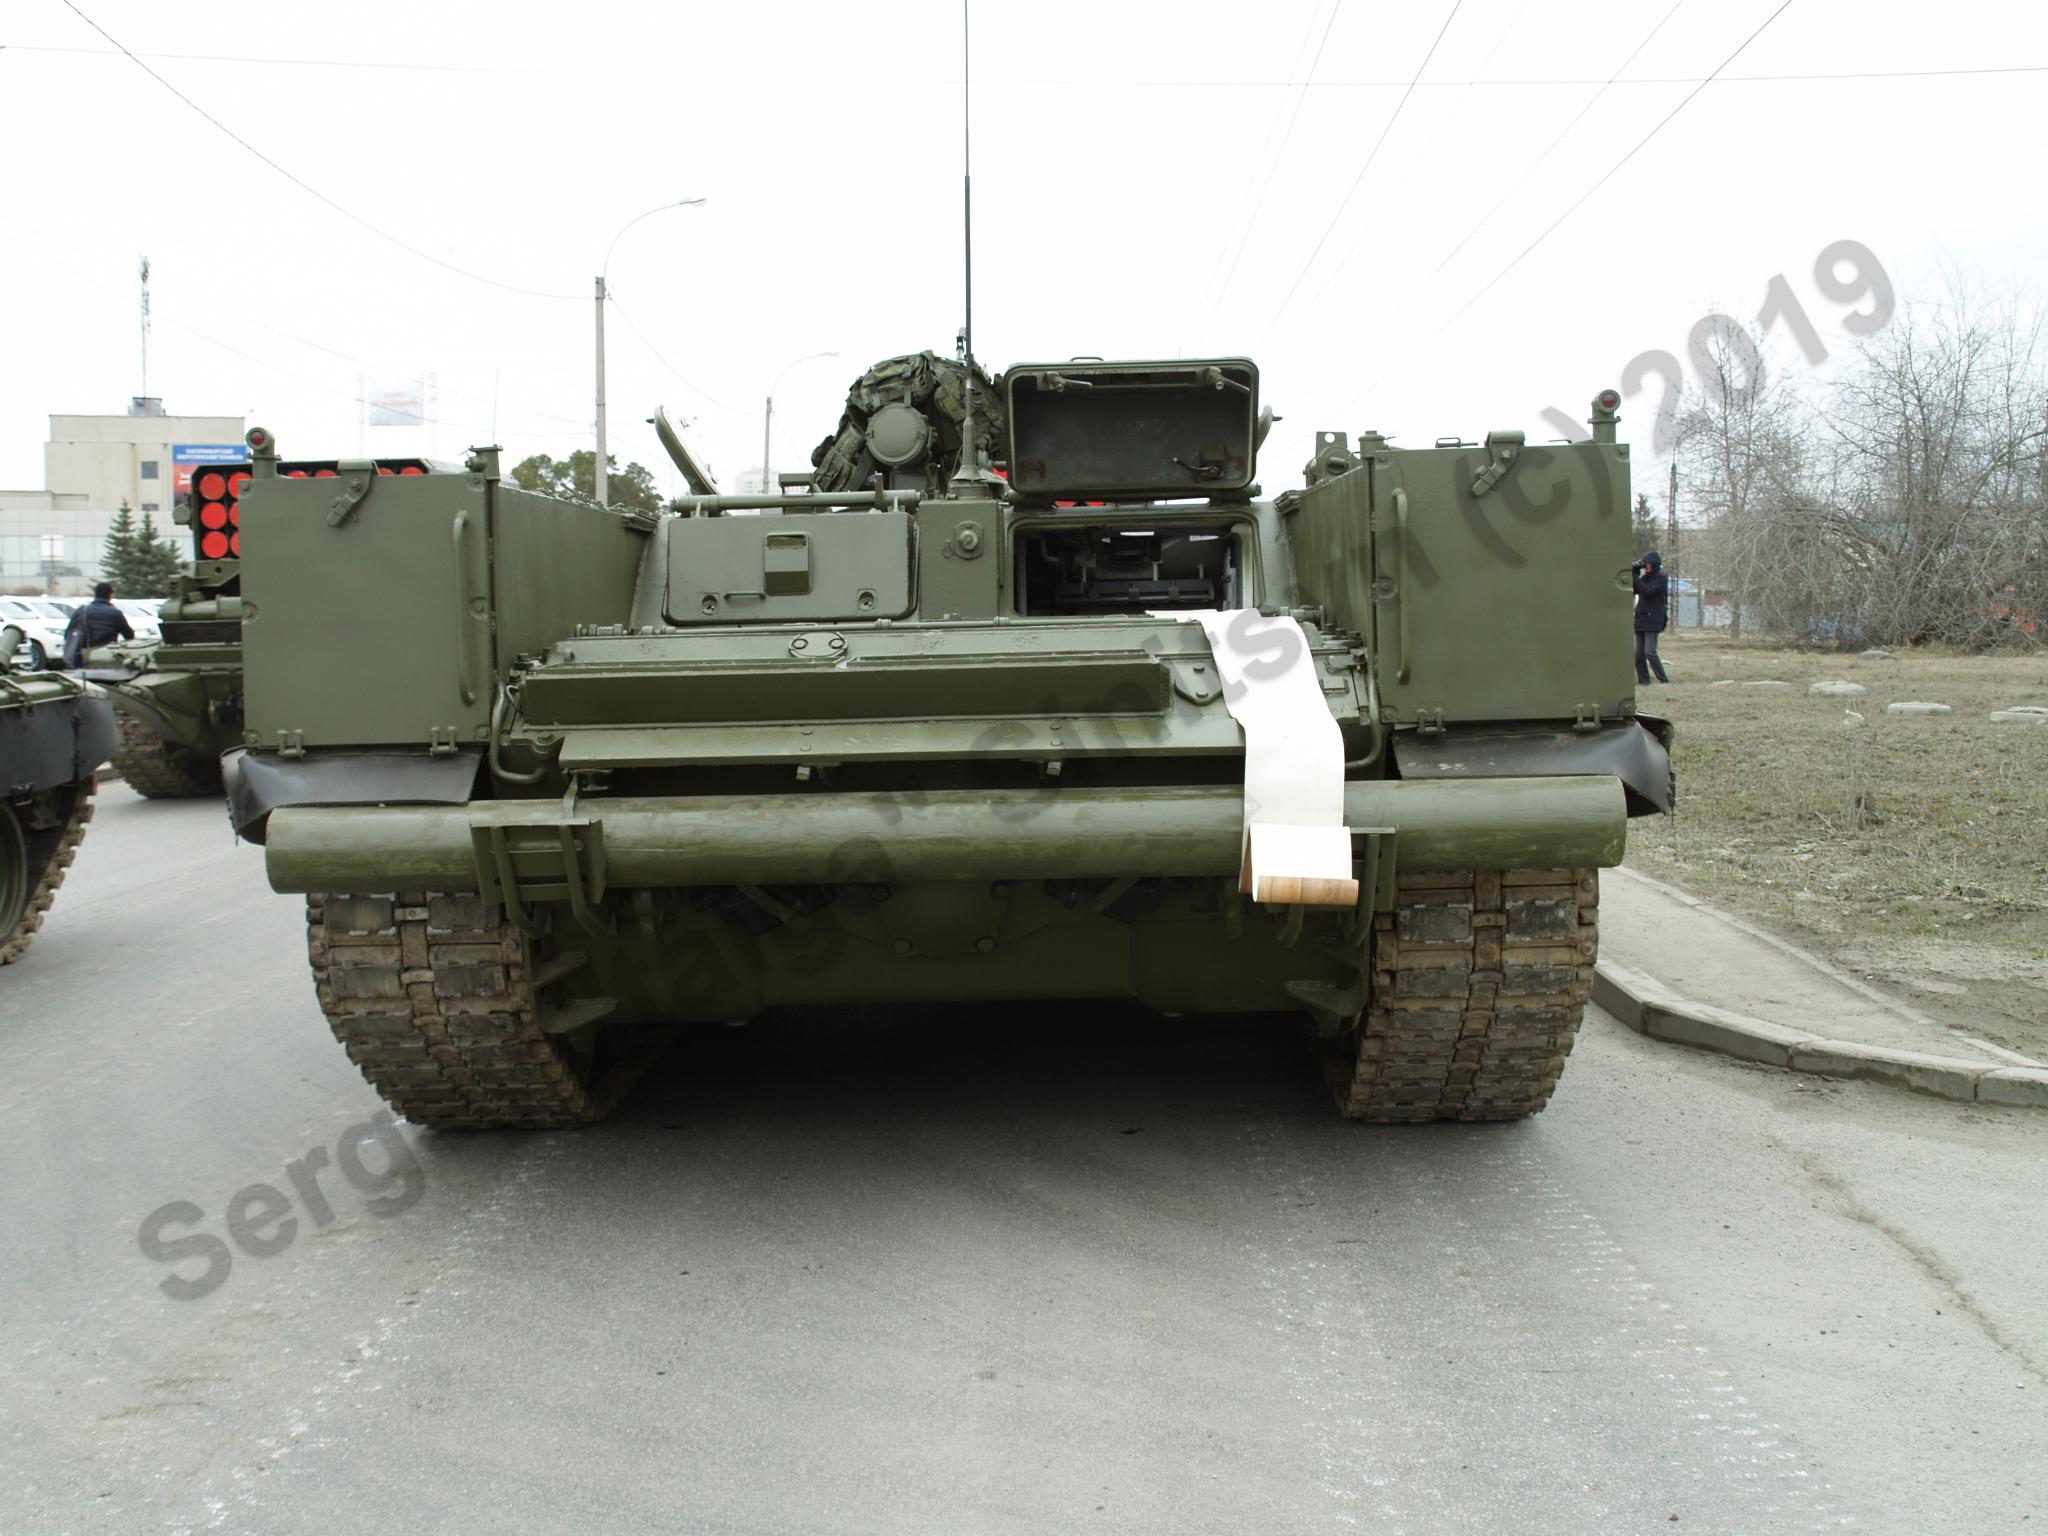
932 385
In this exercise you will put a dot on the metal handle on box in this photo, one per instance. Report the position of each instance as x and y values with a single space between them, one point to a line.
1400 580
464 650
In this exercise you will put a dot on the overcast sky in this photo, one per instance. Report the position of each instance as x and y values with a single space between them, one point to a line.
1151 180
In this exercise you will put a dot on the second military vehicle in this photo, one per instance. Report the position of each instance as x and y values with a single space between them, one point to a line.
178 698
55 731
1085 716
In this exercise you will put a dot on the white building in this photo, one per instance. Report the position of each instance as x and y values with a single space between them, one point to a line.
51 540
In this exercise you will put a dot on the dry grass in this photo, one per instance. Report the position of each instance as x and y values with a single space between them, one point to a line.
1911 849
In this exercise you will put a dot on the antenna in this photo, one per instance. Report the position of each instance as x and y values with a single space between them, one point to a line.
969 468
145 327
967 174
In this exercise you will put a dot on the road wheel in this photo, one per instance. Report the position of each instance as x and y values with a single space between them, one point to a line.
39 837
158 767
1479 980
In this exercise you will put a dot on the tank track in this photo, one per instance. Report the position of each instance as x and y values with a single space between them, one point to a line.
433 997
49 855
158 769
1479 981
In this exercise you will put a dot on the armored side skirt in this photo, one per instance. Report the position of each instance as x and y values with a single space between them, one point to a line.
1055 834
58 736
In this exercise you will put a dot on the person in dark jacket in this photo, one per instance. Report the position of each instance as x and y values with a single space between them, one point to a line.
97 623
1653 590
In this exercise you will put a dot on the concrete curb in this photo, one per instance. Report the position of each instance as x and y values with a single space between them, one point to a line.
1650 1008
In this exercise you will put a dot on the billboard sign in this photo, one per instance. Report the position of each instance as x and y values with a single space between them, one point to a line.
401 406
185 457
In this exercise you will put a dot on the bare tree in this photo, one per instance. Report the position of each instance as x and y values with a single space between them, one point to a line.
1908 508
1741 447
1937 434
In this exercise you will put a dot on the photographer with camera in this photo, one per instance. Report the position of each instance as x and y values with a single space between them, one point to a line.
1652 611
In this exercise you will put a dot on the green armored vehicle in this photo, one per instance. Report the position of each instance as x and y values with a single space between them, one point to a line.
178 699
55 731
1093 719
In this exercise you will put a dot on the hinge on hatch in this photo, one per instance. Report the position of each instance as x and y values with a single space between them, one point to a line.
441 740
353 479
291 743
1586 717
1501 448
1429 722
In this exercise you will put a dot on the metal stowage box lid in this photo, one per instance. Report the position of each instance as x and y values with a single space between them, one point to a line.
1112 430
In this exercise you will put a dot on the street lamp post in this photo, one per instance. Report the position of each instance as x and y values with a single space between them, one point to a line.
603 453
768 421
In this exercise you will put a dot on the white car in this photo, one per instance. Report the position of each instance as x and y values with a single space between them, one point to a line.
142 614
45 634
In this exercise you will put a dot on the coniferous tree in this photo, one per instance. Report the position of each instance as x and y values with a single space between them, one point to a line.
1645 522
157 562
118 551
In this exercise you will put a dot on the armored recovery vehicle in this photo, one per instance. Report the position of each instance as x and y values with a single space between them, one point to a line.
55 731
1106 722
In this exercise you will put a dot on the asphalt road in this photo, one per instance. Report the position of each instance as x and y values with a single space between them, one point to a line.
1045 1272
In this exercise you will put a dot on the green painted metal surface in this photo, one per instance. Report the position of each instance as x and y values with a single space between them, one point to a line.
893 743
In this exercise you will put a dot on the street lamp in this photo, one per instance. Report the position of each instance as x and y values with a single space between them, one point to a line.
603 455
768 421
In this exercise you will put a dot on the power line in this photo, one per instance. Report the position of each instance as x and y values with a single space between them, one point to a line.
1294 67
382 368
634 327
1359 179
302 184
1580 201
1499 38
1533 167
1612 170
476 428
1272 169
243 58
1238 84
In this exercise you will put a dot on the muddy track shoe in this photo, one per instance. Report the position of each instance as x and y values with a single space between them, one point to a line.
160 769
1479 980
436 1000
33 861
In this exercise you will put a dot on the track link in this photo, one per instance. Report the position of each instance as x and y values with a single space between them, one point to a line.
432 995
1479 980
158 768
50 853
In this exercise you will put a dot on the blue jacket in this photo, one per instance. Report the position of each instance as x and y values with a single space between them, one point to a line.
1652 589
95 624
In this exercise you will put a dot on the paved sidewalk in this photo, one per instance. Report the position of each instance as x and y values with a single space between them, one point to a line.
1675 968
1710 956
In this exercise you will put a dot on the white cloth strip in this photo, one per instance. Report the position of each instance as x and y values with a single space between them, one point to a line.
1295 846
